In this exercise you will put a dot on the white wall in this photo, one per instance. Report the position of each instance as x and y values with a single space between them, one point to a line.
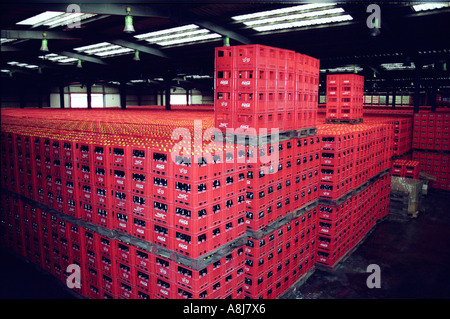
112 96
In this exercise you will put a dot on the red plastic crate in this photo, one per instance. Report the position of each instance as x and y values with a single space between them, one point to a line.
225 57
253 56
162 164
142 228
84 154
140 159
120 156
100 156
125 253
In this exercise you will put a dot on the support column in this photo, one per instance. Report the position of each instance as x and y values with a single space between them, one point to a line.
61 96
187 96
433 93
167 94
22 99
161 97
123 95
40 97
417 88
394 91
89 95
139 96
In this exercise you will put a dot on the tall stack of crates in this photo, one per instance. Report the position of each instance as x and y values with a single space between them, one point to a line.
431 145
345 96
355 162
403 135
260 87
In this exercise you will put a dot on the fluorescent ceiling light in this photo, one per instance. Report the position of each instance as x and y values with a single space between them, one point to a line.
195 76
430 6
4 40
191 39
55 18
397 66
294 17
57 58
40 18
167 31
298 8
5 71
304 23
184 34
22 65
348 68
68 18
104 49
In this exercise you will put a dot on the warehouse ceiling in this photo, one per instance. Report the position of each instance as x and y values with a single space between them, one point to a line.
176 39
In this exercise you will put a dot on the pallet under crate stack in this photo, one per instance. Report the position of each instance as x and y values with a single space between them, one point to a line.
354 192
259 87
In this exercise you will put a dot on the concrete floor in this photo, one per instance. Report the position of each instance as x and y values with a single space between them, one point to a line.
414 258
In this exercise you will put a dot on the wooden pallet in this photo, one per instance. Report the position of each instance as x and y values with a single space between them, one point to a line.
343 121
261 140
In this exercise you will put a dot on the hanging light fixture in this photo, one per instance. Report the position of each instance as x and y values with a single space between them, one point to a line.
44 44
136 56
226 41
79 64
39 70
128 22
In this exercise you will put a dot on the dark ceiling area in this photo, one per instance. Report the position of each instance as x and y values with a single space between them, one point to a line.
405 37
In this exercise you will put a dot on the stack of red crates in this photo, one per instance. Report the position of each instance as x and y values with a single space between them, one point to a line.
110 268
403 129
342 227
435 164
260 87
350 155
431 145
432 131
277 259
345 94
406 168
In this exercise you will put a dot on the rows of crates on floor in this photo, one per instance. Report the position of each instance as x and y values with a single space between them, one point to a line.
313 231
143 225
